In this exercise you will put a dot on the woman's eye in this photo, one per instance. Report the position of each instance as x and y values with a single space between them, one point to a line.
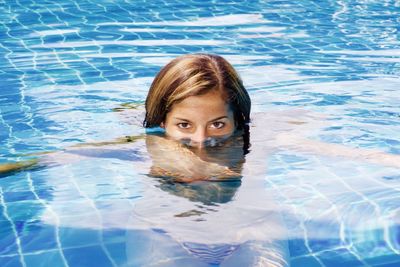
184 125
218 124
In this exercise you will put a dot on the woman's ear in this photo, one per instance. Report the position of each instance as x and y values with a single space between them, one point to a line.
162 125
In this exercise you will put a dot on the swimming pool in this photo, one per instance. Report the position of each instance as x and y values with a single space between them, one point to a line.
68 65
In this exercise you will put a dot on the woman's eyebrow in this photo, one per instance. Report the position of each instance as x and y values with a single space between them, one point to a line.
215 119
181 119
218 118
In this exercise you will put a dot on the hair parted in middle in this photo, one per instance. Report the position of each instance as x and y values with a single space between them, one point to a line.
192 75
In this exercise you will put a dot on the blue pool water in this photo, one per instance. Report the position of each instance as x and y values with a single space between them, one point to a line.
331 67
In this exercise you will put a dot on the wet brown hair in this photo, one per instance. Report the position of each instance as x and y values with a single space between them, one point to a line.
192 75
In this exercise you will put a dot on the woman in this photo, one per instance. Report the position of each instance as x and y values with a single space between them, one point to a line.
200 101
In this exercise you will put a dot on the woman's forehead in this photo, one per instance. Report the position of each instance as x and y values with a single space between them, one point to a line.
209 102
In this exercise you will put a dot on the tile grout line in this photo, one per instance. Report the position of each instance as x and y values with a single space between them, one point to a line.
93 205
14 229
57 219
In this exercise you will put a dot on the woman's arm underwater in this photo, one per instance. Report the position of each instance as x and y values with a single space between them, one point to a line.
128 112
288 129
68 155
336 150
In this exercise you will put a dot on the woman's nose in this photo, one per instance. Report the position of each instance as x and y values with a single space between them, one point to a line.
199 137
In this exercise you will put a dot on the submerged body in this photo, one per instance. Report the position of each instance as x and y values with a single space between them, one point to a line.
218 214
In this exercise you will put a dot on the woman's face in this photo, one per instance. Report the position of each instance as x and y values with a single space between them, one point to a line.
197 120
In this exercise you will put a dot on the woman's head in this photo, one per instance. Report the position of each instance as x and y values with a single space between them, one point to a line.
198 96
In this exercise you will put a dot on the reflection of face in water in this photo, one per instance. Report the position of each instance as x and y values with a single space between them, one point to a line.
206 192
210 174
225 151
